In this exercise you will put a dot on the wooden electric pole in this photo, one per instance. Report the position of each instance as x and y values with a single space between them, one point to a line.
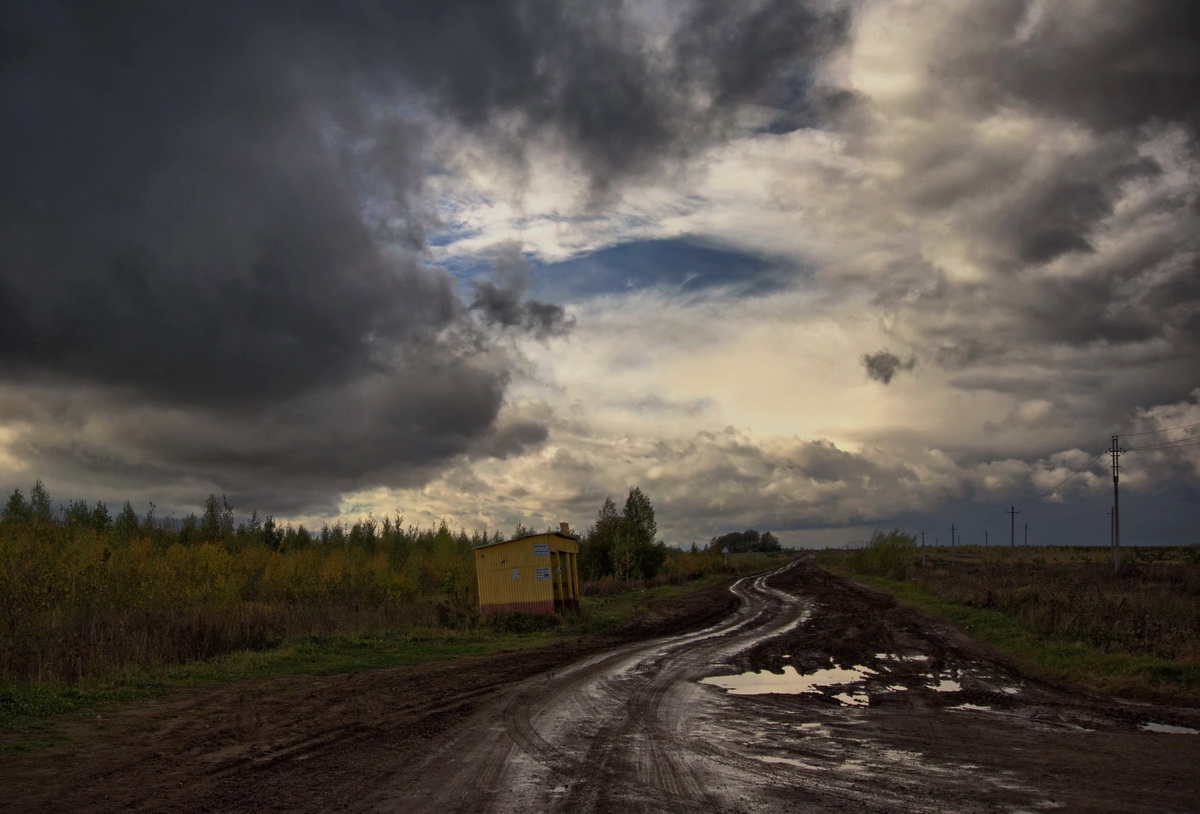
1012 512
1115 451
952 535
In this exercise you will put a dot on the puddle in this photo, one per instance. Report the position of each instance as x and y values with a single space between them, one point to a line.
853 700
1150 726
789 681
948 685
975 707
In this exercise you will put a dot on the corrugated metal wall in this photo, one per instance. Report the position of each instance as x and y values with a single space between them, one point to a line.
538 574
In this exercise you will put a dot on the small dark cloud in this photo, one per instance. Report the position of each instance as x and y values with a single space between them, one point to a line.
883 365
512 438
501 302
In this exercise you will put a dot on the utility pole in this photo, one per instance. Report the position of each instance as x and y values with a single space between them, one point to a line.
1012 512
1026 543
985 539
952 535
922 538
1115 451
1109 514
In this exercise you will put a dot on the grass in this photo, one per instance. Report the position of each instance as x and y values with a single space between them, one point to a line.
27 706
1061 615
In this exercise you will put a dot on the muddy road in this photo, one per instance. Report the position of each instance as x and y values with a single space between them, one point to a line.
795 691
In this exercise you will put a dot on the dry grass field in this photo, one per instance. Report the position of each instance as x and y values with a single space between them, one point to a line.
1060 609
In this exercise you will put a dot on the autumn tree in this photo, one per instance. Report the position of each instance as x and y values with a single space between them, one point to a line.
595 551
623 545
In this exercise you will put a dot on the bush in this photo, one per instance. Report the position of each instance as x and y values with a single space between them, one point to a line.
889 554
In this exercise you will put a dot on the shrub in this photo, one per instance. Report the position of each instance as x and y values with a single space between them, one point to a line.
889 554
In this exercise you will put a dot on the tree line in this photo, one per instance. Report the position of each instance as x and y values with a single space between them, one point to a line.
741 542
85 590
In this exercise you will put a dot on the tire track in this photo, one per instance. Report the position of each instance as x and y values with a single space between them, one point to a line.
660 769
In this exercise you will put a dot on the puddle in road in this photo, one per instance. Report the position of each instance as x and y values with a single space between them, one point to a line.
791 681
1150 726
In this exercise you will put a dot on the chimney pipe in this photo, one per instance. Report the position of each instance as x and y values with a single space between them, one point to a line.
565 529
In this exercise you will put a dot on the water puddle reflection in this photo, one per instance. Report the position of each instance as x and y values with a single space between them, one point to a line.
1150 726
791 681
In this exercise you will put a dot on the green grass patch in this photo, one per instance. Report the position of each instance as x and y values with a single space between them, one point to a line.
27 706
1057 657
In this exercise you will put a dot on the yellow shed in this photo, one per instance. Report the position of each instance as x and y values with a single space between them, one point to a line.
534 574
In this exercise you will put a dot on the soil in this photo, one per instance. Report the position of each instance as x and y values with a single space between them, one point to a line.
923 719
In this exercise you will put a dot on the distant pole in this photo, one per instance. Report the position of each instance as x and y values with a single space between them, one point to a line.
1012 512
952 535
1109 514
985 539
1026 543
922 538
1115 451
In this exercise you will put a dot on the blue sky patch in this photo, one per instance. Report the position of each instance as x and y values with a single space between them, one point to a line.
681 265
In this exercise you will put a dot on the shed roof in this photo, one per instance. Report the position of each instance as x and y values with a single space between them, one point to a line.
573 538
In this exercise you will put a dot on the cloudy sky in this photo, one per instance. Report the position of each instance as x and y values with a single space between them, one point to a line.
813 266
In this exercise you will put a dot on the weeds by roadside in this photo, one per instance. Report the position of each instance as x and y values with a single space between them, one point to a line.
24 702
1063 612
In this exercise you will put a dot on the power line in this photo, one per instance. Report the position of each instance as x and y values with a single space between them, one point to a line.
1176 444
1156 432
1077 473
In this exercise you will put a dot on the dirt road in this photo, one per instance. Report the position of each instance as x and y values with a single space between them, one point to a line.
874 708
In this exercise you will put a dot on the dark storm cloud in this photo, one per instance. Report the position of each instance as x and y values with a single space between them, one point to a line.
748 52
882 366
210 212
587 74
1080 231
1124 65
173 221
